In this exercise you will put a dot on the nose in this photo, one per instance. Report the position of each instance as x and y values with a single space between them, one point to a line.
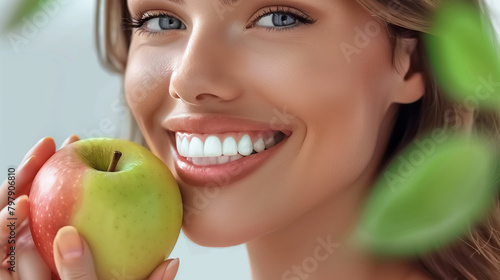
205 74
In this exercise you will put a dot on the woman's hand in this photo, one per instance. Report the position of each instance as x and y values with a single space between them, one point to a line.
74 260
71 253
28 263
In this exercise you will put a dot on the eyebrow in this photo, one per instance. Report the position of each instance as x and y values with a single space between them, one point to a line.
223 2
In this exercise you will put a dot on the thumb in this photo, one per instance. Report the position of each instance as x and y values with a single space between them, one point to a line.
72 256
166 270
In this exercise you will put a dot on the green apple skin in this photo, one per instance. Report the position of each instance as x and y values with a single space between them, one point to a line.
131 218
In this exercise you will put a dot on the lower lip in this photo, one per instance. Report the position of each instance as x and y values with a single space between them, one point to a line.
222 174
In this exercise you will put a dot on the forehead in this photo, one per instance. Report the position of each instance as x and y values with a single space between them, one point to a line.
229 2
182 2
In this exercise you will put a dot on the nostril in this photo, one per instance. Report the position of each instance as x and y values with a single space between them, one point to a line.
204 96
174 94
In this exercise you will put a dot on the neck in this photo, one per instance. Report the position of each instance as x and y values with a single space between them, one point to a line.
311 248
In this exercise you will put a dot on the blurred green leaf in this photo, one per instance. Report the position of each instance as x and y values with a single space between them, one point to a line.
429 196
25 9
463 56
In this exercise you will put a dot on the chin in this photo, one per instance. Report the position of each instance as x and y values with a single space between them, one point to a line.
223 233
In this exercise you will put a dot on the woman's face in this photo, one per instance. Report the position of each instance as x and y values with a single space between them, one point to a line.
318 75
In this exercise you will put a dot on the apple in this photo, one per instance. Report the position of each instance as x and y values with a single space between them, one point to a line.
128 209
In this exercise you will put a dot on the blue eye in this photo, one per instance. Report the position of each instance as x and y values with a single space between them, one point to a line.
281 18
162 23
277 20
154 22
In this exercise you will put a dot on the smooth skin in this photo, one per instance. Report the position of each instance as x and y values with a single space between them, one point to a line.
231 61
341 116
78 263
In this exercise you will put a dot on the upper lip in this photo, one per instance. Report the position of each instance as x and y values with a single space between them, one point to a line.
211 124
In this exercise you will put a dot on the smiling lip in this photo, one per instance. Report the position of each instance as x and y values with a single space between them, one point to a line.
212 124
222 174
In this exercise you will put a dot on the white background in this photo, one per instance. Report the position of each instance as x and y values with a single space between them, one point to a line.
53 85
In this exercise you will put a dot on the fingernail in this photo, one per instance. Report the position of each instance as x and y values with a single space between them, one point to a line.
69 243
68 139
171 269
28 154
5 210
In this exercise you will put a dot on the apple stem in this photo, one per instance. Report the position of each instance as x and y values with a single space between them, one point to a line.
114 161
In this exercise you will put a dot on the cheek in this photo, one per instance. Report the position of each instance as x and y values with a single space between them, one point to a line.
146 85
342 105
340 102
314 79
146 80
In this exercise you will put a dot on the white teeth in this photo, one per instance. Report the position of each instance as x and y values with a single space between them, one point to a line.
236 157
212 160
212 151
184 151
259 145
197 161
222 159
245 146
196 147
229 147
203 161
270 142
213 147
178 142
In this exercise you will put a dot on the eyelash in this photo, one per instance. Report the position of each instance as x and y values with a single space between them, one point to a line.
302 18
137 22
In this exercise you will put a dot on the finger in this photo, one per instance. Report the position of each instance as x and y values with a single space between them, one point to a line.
72 255
166 271
20 183
28 168
11 218
23 240
71 139
30 264
45 148
5 274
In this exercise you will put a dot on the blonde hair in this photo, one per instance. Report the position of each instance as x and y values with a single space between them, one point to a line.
475 256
